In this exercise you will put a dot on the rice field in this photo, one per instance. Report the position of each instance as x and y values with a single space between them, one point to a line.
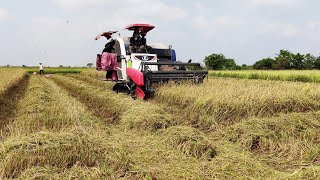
56 70
280 75
73 126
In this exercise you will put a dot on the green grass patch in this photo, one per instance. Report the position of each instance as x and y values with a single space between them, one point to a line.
56 70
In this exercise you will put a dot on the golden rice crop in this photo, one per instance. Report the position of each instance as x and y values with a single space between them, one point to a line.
281 75
187 140
10 77
61 150
120 108
12 87
224 101
289 141
75 127
94 74
51 129
46 108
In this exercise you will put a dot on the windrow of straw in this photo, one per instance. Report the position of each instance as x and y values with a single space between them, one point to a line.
108 85
94 74
46 108
10 77
120 108
287 142
51 129
225 101
282 75
13 84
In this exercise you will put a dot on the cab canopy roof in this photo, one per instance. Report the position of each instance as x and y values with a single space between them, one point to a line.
142 27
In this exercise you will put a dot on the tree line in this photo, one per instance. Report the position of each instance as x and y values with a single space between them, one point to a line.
283 60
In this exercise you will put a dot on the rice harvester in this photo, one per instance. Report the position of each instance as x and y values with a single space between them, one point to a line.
138 72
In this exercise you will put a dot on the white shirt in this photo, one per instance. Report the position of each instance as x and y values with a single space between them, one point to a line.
40 67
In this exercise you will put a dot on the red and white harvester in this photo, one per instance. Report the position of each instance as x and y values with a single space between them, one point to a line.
136 73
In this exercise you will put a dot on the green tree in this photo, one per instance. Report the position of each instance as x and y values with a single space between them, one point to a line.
309 61
284 59
317 63
219 61
89 65
229 64
265 64
297 61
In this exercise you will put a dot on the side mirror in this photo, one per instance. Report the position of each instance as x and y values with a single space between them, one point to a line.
170 46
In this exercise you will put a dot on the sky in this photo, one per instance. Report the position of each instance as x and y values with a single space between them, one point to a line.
61 32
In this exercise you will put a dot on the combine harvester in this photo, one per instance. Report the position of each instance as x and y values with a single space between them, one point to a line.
137 72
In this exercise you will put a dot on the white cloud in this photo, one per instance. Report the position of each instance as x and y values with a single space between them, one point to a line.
274 2
3 14
228 21
151 9
199 7
79 4
314 25
201 22
283 29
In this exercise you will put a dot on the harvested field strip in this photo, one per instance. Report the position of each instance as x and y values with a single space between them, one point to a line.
45 108
225 101
9 100
85 146
108 85
48 124
282 75
10 77
120 108
94 74
287 142
188 140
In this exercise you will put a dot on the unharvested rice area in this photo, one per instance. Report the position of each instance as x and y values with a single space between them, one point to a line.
289 142
223 101
280 75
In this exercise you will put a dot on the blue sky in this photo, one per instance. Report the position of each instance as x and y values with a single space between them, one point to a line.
61 32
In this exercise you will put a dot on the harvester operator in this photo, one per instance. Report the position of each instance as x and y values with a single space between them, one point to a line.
142 43
134 41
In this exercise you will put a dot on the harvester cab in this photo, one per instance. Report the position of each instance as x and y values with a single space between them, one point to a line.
139 66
